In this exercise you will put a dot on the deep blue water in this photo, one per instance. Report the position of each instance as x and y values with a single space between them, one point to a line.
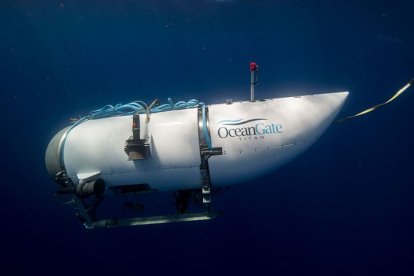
345 207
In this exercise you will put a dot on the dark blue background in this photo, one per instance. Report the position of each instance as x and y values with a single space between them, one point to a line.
345 207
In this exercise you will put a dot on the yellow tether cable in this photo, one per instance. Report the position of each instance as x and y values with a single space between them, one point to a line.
399 92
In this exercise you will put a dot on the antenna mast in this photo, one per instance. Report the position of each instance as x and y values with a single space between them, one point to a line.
254 68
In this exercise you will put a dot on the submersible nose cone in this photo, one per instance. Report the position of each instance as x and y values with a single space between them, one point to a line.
53 154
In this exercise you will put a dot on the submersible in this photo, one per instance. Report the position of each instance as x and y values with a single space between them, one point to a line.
188 147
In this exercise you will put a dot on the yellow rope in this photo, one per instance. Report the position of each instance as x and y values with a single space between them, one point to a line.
399 92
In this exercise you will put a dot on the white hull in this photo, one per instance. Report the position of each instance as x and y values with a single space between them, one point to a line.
255 137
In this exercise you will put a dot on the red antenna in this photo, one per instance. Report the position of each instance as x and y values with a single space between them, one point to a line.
254 68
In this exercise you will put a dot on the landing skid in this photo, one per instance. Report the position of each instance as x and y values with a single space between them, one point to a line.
109 223
86 205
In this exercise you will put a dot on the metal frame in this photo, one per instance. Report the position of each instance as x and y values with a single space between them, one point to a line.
85 212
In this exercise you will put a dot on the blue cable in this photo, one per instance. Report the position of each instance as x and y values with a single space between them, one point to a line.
136 107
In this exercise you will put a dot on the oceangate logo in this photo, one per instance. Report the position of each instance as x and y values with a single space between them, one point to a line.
235 128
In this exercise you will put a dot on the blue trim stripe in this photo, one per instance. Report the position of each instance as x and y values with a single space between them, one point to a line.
229 121
244 122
